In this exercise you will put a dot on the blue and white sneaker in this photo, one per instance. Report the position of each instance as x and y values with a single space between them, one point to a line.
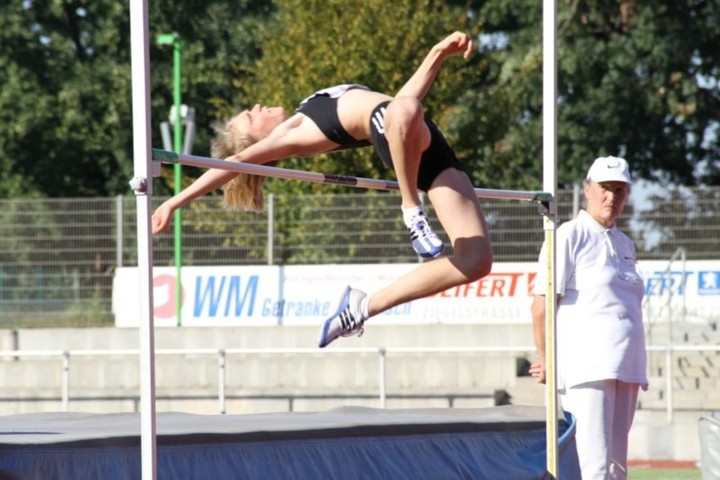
424 240
347 319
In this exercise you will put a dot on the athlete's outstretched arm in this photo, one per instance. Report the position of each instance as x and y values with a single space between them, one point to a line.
419 84
287 139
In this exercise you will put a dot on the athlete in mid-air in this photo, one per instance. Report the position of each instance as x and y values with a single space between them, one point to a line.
351 116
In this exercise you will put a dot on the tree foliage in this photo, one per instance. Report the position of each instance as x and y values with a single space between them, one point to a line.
371 42
635 78
65 105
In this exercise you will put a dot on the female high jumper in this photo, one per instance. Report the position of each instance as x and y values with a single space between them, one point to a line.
352 116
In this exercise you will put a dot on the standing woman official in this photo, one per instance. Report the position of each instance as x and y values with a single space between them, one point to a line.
351 116
601 360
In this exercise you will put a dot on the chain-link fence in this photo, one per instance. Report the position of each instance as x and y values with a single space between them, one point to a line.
57 256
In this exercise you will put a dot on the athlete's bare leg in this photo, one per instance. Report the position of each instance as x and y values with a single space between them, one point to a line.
407 137
459 211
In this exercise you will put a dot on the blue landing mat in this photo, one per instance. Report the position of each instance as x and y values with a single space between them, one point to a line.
505 442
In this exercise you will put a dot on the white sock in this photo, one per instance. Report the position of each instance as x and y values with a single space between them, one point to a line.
411 212
364 307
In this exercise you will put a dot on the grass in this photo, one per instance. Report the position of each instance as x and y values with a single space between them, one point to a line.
664 474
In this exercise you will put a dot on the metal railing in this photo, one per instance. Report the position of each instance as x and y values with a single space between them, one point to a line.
57 256
382 353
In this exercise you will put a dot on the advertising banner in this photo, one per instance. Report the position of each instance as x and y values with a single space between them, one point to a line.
307 295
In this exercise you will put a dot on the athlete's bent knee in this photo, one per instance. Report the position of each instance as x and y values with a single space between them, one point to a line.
482 267
476 260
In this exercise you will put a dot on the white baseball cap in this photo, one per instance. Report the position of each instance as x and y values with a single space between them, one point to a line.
609 169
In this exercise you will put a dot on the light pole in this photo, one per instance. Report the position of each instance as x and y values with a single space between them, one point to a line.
174 40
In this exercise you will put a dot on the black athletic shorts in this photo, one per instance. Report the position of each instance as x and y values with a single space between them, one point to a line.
438 157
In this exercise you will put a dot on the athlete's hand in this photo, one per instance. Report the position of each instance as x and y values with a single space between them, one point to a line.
161 218
457 42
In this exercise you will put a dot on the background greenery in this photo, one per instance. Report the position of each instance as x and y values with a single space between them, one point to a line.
636 78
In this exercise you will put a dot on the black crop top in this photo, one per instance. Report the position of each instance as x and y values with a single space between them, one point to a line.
321 108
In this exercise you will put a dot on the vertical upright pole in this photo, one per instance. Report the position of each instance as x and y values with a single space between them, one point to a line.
119 232
178 146
270 229
142 186
549 226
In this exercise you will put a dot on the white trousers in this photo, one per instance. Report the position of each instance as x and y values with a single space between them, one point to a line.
604 411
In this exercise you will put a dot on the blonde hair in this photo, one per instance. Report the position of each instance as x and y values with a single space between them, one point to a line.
244 192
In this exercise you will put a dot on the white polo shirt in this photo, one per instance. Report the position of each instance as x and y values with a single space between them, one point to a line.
600 332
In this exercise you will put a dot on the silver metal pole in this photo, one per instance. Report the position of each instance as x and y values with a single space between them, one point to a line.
383 378
165 135
66 381
221 380
271 229
119 237
549 92
576 200
668 381
142 186
165 156
189 121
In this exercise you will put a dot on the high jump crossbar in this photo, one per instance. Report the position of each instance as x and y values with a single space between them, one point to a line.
166 156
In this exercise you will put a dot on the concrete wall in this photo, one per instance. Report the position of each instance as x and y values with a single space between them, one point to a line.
193 378
311 380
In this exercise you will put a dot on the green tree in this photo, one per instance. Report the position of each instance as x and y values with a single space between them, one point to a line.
65 105
635 78
374 42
